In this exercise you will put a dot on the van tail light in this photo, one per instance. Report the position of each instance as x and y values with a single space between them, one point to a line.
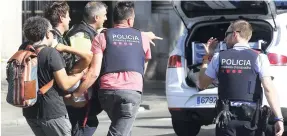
277 60
174 61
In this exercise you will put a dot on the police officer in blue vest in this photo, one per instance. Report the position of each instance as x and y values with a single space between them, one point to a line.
240 71
119 61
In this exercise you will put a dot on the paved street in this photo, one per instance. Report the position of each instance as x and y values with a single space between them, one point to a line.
153 122
148 123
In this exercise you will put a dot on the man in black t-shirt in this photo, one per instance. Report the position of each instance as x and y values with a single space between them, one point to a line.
83 119
49 115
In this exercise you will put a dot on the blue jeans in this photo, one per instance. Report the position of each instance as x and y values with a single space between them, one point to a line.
122 107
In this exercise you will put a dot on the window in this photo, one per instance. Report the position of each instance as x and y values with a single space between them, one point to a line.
205 8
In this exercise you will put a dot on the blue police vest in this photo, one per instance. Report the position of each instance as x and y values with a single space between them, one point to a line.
238 79
124 51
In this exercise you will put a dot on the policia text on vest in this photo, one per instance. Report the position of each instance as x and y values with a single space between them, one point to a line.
235 64
240 92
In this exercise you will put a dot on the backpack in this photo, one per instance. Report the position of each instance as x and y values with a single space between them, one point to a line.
22 78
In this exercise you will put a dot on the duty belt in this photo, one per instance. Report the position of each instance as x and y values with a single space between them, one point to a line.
240 103
231 110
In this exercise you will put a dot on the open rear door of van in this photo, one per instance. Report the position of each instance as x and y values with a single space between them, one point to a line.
195 11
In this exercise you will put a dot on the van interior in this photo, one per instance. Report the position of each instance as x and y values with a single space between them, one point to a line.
200 33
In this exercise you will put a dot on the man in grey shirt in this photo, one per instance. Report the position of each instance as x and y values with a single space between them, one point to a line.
240 72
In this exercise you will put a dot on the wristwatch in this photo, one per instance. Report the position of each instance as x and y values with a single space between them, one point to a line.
79 99
278 119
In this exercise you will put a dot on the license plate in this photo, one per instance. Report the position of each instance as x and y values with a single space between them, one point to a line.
206 100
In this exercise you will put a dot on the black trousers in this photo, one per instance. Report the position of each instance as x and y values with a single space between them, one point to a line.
77 116
242 128
236 128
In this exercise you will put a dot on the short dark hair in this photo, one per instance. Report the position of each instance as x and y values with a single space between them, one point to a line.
123 10
56 10
35 28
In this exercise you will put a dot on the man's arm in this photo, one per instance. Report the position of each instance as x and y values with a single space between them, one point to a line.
151 37
92 74
145 65
204 80
147 50
271 96
207 72
263 65
85 56
57 66
64 81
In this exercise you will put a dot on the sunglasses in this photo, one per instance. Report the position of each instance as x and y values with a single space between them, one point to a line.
227 33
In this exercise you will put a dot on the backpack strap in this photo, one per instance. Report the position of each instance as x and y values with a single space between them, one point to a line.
34 49
46 87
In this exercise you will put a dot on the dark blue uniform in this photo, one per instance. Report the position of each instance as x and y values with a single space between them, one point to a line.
239 71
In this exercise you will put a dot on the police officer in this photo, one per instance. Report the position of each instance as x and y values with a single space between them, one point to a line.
240 72
124 52
80 36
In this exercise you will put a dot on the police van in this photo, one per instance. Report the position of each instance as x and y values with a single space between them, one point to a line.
190 107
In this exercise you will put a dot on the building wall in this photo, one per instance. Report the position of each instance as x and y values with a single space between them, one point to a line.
11 28
11 32
160 20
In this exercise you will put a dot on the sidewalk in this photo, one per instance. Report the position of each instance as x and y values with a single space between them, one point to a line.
153 98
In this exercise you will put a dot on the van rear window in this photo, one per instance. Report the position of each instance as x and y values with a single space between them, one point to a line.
206 8
281 6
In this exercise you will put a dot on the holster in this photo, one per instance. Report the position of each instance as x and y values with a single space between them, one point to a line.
223 113
265 113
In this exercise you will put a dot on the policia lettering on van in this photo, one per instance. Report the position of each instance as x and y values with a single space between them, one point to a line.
240 71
